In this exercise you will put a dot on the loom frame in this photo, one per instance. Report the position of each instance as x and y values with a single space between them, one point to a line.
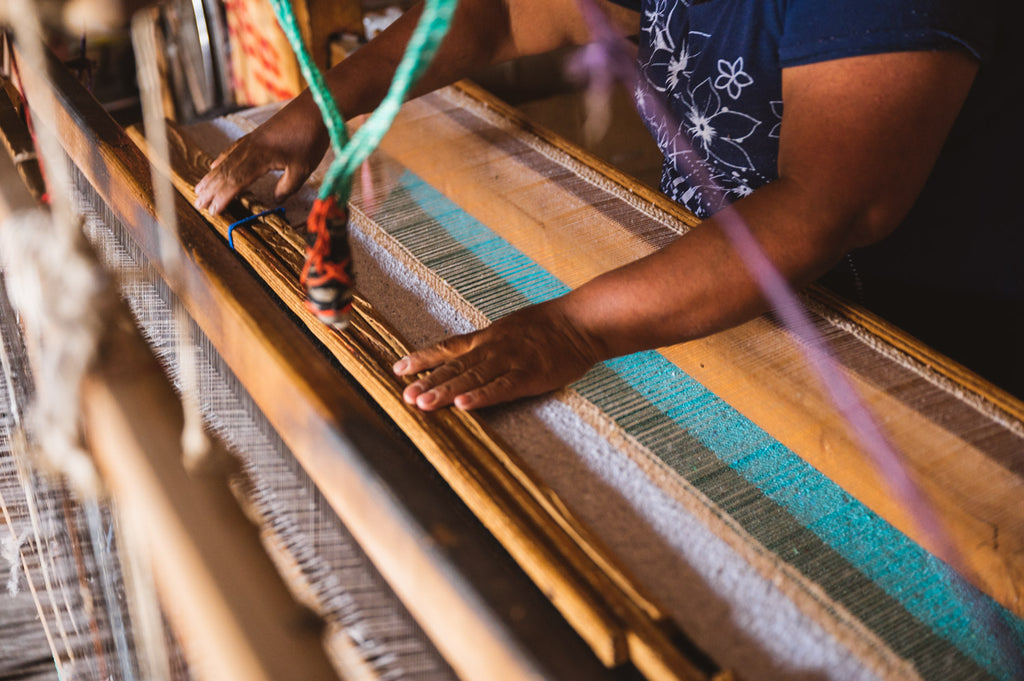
416 534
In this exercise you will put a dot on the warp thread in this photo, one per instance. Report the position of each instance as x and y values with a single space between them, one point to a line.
62 297
194 443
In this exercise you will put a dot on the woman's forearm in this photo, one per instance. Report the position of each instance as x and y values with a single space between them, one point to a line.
699 285
483 32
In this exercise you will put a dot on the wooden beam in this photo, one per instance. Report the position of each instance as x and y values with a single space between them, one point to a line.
321 19
17 140
15 195
231 611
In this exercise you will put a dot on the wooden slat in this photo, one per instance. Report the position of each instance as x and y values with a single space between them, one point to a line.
232 623
478 626
18 141
15 195
569 565
320 19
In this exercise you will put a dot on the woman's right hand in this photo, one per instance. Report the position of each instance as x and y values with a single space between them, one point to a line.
293 140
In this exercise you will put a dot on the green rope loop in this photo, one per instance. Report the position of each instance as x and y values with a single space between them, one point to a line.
350 153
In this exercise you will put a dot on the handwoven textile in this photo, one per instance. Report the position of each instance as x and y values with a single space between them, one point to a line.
767 563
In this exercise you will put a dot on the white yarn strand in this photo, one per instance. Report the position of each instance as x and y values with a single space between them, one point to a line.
194 443
60 308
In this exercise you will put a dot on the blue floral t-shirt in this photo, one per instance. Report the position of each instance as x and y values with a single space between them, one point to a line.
717 65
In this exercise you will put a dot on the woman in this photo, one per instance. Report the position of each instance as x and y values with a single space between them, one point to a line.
882 175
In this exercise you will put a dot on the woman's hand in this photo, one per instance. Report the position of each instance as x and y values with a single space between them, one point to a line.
293 140
529 352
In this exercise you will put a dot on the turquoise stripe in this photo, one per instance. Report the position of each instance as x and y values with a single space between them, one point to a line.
503 259
924 586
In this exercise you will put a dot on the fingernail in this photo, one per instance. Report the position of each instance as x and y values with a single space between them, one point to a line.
427 399
464 401
401 365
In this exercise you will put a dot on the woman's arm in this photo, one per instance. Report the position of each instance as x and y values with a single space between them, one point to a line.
858 140
482 32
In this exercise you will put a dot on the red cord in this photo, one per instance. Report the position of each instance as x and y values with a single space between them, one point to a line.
317 258
328 263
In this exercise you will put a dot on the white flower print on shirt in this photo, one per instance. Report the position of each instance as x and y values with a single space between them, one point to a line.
680 64
671 64
732 78
716 130
777 110
657 28
711 151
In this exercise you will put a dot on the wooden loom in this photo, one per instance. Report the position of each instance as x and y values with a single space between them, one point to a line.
426 535
559 552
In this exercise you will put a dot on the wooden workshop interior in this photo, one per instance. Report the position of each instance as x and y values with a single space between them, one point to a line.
201 480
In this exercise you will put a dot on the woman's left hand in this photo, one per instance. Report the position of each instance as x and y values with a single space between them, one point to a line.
529 352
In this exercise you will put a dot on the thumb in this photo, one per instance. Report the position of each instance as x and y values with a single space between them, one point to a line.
289 183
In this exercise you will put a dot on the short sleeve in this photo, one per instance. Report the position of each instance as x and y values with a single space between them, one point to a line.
818 31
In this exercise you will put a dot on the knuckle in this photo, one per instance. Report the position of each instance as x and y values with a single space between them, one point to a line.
475 376
445 390
453 344
434 378
502 383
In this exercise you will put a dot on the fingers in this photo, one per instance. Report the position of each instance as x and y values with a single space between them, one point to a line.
209 189
289 183
526 353
453 372
467 371
441 386
232 171
479 385
217 189
428 358
501 389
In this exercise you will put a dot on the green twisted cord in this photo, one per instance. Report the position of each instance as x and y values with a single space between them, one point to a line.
423 45
350 153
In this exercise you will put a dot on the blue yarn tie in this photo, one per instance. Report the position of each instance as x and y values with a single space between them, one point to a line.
245 221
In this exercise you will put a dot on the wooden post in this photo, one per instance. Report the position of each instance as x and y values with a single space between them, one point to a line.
321 19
